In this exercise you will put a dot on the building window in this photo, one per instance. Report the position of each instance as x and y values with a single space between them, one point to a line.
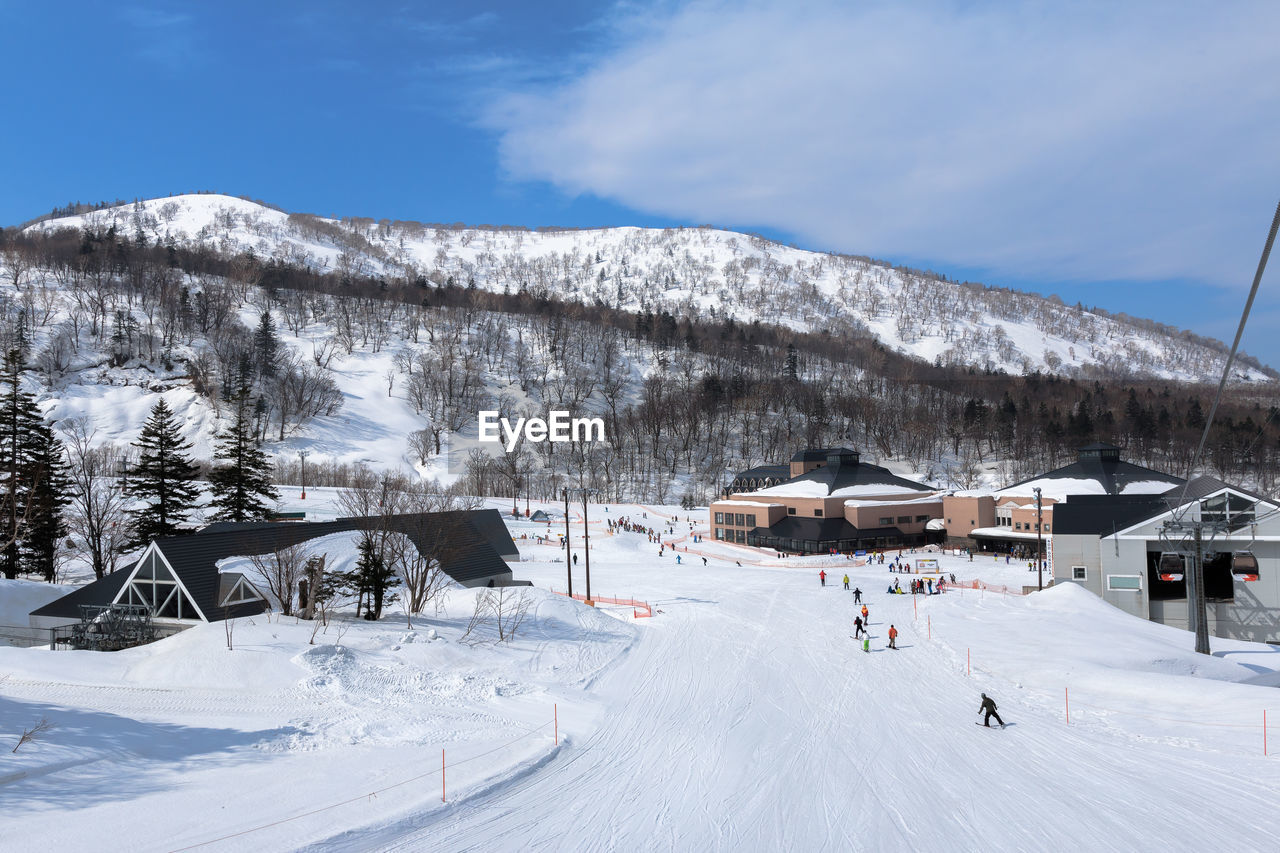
886 520
904 519
719 532
1018 526
751 520
742 536
1046 528
922 518
817 513
791 510
1132 583
1079 573
719 518
741 520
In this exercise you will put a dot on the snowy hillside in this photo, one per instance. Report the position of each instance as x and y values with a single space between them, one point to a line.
692 272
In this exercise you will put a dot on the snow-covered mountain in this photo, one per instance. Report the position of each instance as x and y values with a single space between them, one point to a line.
701 272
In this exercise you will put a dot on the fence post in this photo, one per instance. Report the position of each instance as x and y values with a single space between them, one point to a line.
442 775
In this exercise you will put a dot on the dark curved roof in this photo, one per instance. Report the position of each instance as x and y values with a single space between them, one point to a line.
470 553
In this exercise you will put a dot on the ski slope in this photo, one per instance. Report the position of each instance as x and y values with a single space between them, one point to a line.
742 716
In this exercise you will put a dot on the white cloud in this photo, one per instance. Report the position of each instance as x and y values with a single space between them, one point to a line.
1059 140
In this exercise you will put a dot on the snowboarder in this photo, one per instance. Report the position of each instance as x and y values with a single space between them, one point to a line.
822 576
857 595
989 707
846 581
704 562
893 637
857 627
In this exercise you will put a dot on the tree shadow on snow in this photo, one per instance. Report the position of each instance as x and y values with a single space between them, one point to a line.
89 757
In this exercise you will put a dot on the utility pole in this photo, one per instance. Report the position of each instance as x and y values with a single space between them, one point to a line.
1039 540
568 563
586 534
302 455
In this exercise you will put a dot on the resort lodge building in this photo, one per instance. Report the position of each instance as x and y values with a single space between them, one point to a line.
830 500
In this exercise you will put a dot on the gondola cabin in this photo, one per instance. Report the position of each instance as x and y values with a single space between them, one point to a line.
1171 566
1244 565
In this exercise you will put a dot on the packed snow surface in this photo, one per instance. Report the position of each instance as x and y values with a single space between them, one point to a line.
741 716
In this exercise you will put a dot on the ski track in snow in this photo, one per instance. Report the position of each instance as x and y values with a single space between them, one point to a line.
740 717
754 723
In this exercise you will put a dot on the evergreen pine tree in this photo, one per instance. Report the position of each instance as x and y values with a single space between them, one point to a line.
242 489
372 579
19 420
162 478
50 491
266 344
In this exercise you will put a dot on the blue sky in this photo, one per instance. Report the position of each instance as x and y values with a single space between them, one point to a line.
1122 155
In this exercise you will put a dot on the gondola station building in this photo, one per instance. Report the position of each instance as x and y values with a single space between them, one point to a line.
1122 548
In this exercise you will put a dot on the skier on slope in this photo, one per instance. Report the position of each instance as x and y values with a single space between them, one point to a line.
893 637
846 581
864 615
822 576
989 708
857 595
857 627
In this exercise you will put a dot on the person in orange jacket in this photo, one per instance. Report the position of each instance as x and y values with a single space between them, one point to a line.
864 615
822 576
893 637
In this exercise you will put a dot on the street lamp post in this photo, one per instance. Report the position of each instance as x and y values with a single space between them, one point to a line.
302 455
1039 541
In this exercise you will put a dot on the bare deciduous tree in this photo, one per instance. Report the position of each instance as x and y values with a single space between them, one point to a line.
35 732
282 569
97 510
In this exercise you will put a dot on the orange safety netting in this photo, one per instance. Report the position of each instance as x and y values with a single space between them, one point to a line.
635 605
